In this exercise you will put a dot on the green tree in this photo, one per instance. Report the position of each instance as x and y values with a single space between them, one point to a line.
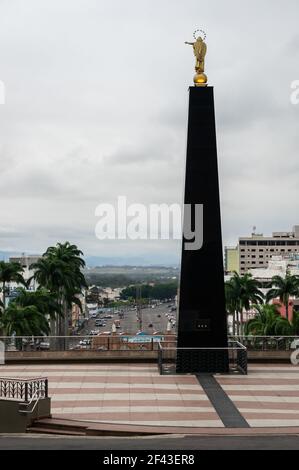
59 271
268 322
283 288
232 303
295 323
45 302
10 272
241 293
24 321
160 291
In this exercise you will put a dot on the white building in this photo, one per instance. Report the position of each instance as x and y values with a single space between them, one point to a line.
25 261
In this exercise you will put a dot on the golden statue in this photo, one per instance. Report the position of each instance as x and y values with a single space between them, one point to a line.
200 50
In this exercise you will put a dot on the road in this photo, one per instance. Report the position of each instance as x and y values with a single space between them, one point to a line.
39 442
149 316
129 324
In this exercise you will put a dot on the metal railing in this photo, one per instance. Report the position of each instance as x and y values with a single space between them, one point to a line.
129 342
23 389
172 360
36 397
79 343
267 343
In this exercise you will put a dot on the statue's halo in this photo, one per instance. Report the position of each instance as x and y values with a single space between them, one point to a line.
199 35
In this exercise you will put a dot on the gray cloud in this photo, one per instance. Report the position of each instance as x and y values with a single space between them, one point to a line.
96 107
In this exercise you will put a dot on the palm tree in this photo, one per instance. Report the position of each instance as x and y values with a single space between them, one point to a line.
268 322
283 288
24 321
59 271
295 323
10 272
231 303
241 293
42 299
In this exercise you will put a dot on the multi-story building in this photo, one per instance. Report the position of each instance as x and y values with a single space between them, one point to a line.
25 261
256 251
278 266
231 259
78 316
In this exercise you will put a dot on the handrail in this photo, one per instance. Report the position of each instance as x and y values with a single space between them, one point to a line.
32 398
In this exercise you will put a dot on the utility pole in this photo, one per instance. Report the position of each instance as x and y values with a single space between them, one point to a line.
138 306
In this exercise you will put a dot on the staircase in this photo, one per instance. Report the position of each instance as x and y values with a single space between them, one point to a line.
58 427
68 427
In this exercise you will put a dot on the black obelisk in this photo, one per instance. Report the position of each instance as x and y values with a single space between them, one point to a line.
202 315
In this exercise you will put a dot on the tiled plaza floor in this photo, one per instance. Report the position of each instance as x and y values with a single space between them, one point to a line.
137 394
268 396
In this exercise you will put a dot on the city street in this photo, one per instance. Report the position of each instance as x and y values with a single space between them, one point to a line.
129 324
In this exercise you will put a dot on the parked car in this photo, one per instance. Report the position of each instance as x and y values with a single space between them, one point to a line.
85 342
92 333
44 346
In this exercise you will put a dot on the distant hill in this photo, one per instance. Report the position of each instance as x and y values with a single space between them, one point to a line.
94 261
120 276
5 255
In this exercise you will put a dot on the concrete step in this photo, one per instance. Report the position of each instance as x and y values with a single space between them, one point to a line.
60 432
56 425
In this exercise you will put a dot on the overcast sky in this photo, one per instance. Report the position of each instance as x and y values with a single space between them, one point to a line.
96 107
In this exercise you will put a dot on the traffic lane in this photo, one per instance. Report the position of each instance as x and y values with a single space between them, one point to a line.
130 323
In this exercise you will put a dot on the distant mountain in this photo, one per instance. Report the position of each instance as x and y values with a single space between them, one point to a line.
5 255
93 261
